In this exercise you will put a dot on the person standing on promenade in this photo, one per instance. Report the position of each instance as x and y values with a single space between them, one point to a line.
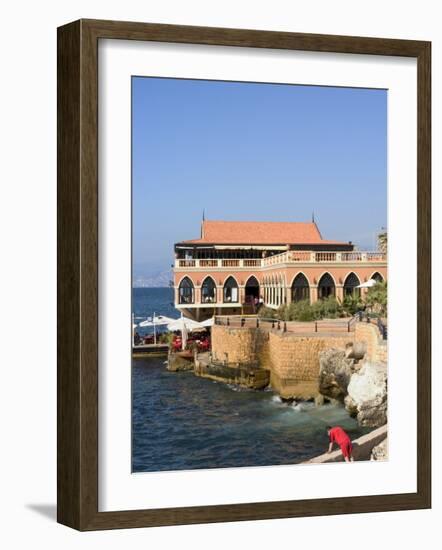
340 437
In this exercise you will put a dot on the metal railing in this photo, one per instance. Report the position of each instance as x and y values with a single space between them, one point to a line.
375 320
324 325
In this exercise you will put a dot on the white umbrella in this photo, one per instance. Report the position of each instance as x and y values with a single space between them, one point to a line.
155 321
188 324
208 322
368 284
184 325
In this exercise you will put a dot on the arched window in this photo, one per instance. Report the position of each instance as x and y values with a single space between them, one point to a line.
208 291
230 290
350 284
300 288
186 291
377 277
326 286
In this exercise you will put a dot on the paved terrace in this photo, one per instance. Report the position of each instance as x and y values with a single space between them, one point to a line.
320 328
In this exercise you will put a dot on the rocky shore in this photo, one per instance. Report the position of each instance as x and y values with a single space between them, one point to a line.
350 369
359 384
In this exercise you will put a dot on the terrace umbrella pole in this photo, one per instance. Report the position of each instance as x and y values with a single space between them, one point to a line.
183 333
133 330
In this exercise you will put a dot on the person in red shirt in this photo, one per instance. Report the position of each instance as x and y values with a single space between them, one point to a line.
340 437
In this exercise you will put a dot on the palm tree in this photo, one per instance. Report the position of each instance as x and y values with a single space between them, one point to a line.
376 298
383 241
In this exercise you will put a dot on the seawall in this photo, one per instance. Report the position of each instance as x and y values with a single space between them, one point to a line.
291 358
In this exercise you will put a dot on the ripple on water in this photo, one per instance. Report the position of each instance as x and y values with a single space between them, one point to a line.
182 422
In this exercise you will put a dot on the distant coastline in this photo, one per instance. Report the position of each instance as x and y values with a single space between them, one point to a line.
153 279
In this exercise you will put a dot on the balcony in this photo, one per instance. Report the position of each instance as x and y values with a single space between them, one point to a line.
217 263
296 257
289 257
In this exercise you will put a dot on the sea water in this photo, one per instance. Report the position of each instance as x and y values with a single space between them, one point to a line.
184 422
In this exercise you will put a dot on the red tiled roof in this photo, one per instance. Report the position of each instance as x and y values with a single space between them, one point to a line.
271 233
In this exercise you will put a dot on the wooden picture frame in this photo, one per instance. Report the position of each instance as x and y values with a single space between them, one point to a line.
78 274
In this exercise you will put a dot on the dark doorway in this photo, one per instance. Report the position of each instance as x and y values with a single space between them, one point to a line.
252 290
300 288
377 277
326 286
350 284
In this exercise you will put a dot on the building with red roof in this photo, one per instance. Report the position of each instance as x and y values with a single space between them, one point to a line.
234 265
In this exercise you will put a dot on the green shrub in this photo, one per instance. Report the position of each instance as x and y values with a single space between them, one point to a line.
376 298
327 308
267 313
352 304
301 311
304 311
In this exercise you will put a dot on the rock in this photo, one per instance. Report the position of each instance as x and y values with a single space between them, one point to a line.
319 400
177 363
380 452
355 350
335 371
367 395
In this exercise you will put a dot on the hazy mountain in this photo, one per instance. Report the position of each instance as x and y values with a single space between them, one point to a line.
154 279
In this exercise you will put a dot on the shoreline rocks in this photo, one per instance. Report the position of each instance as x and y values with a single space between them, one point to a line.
335 372
367 395
362 387
380 452
177 362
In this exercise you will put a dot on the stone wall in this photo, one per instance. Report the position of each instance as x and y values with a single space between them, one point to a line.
294 370
240 346
234 345
292 359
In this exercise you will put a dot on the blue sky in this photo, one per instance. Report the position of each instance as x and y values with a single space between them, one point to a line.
246 151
